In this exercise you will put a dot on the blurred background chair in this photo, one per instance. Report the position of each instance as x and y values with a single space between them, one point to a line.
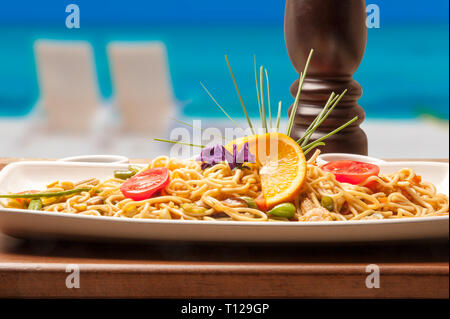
404 73
143 89
67 116
68 84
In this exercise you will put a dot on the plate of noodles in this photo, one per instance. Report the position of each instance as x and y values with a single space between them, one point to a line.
84 200
256 188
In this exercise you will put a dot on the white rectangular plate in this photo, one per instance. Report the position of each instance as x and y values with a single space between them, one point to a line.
21 176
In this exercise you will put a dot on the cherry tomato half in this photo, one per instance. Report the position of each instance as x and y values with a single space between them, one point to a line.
144 185
351 172
261 203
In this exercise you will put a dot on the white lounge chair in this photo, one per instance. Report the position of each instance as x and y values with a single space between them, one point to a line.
141 78
68 84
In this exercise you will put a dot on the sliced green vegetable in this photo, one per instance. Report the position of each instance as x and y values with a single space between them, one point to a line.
124 174
127 173
328 203
286 210
45 195
35 204
194 209
250 202
134 168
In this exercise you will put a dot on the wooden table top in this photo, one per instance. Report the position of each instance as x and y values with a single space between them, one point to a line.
189 270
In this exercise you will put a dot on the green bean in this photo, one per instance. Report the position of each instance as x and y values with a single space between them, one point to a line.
124 174
250 202
46 195
328 203
35 204
286 210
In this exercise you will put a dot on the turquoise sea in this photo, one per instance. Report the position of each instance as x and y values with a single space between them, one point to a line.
405 72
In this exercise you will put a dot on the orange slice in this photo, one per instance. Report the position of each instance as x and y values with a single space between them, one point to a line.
283 165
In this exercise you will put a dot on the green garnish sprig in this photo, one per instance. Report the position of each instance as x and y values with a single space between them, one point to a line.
239 95
304 141
178 142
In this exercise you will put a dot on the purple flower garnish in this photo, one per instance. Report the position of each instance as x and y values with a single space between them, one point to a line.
213 155
244 155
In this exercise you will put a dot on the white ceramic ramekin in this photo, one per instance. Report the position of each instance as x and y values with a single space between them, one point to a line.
109 159
330 157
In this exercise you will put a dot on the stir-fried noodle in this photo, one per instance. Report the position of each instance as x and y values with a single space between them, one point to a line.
216 194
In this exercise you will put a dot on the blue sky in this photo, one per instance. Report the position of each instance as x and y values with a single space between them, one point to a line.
198 11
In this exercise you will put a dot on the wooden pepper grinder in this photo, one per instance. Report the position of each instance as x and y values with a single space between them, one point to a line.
337 32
